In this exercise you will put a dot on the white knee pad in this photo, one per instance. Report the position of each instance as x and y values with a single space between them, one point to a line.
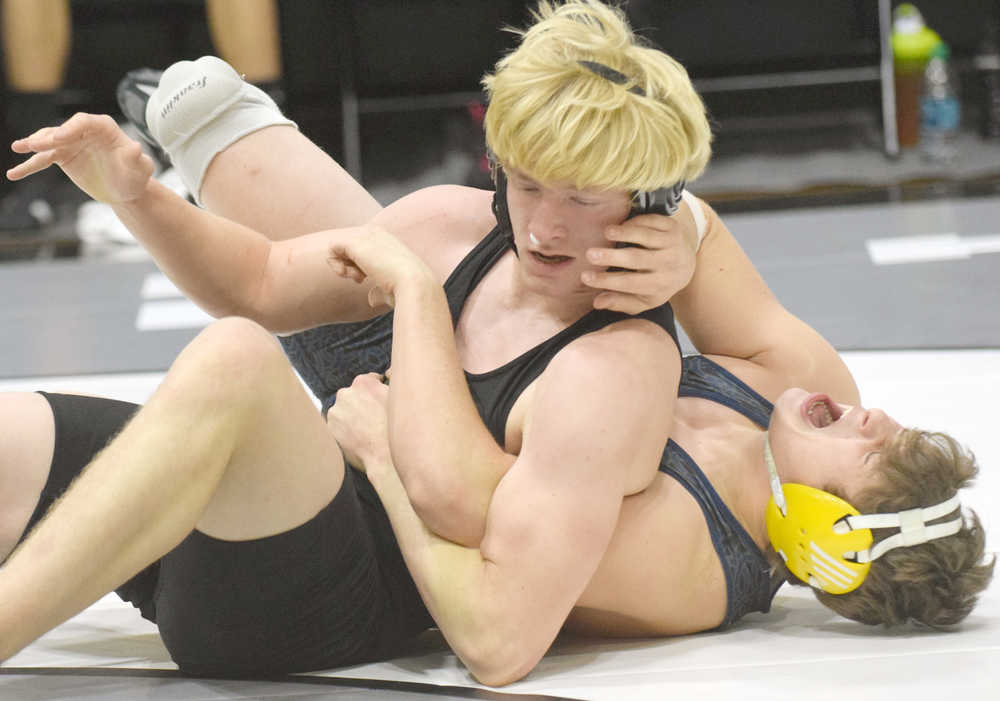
201 107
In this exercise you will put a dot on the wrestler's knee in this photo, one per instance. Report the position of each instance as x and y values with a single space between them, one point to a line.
200 108
189 95
234 358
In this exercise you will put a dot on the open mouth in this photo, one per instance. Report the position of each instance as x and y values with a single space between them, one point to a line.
550 260
821 411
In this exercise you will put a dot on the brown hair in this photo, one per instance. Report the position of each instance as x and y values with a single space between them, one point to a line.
935 583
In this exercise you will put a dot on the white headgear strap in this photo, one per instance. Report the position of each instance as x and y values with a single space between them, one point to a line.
912 525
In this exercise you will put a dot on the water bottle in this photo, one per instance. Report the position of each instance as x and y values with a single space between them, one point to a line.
912 44
940 111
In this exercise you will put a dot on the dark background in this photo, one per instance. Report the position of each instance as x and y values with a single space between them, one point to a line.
375 49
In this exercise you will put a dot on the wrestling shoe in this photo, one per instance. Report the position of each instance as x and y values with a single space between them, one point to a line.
133 93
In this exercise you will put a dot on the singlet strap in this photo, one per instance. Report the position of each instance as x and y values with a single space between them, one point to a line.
495 392
749 585
473 268
704 378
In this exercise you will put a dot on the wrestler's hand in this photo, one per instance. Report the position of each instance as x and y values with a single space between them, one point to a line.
358 420
660 264
94 152
377 256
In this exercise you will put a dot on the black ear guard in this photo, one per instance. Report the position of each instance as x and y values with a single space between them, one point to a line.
500 210
662 201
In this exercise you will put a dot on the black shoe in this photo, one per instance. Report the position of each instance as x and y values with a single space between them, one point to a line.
133 94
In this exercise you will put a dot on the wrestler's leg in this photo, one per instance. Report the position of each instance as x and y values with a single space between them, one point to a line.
239 155
26 450
252 182
230 443
280 183
36 42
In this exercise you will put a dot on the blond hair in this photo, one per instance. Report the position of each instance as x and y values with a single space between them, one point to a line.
936 583
557 120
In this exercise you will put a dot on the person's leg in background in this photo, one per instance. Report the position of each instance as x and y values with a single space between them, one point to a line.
246 34
36 37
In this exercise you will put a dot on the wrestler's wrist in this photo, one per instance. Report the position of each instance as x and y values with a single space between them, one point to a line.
417 283
380 471
153 197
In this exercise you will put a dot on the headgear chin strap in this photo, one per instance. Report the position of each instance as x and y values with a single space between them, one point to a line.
827 543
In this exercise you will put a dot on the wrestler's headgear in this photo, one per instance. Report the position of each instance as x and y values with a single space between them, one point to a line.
827 543
665 200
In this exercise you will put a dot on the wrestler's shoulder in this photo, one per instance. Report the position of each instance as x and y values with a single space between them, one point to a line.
441 224
455 209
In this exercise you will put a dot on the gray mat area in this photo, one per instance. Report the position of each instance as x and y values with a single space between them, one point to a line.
78 317
817 263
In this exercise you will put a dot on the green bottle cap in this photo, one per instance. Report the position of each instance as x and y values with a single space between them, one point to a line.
942 50
912 40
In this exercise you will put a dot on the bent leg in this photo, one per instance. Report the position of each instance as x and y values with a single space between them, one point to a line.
280 183
243 159
330 592
229 443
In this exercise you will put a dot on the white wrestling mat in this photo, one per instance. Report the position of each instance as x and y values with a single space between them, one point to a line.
799 650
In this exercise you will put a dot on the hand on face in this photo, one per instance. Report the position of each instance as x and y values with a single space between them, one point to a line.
93 152
358 420
373 254
660 262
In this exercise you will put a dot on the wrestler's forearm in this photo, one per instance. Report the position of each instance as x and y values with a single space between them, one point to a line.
728 310
215 262
454 582
446 457
229 269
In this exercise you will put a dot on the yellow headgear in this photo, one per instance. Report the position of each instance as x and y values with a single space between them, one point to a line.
826 542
